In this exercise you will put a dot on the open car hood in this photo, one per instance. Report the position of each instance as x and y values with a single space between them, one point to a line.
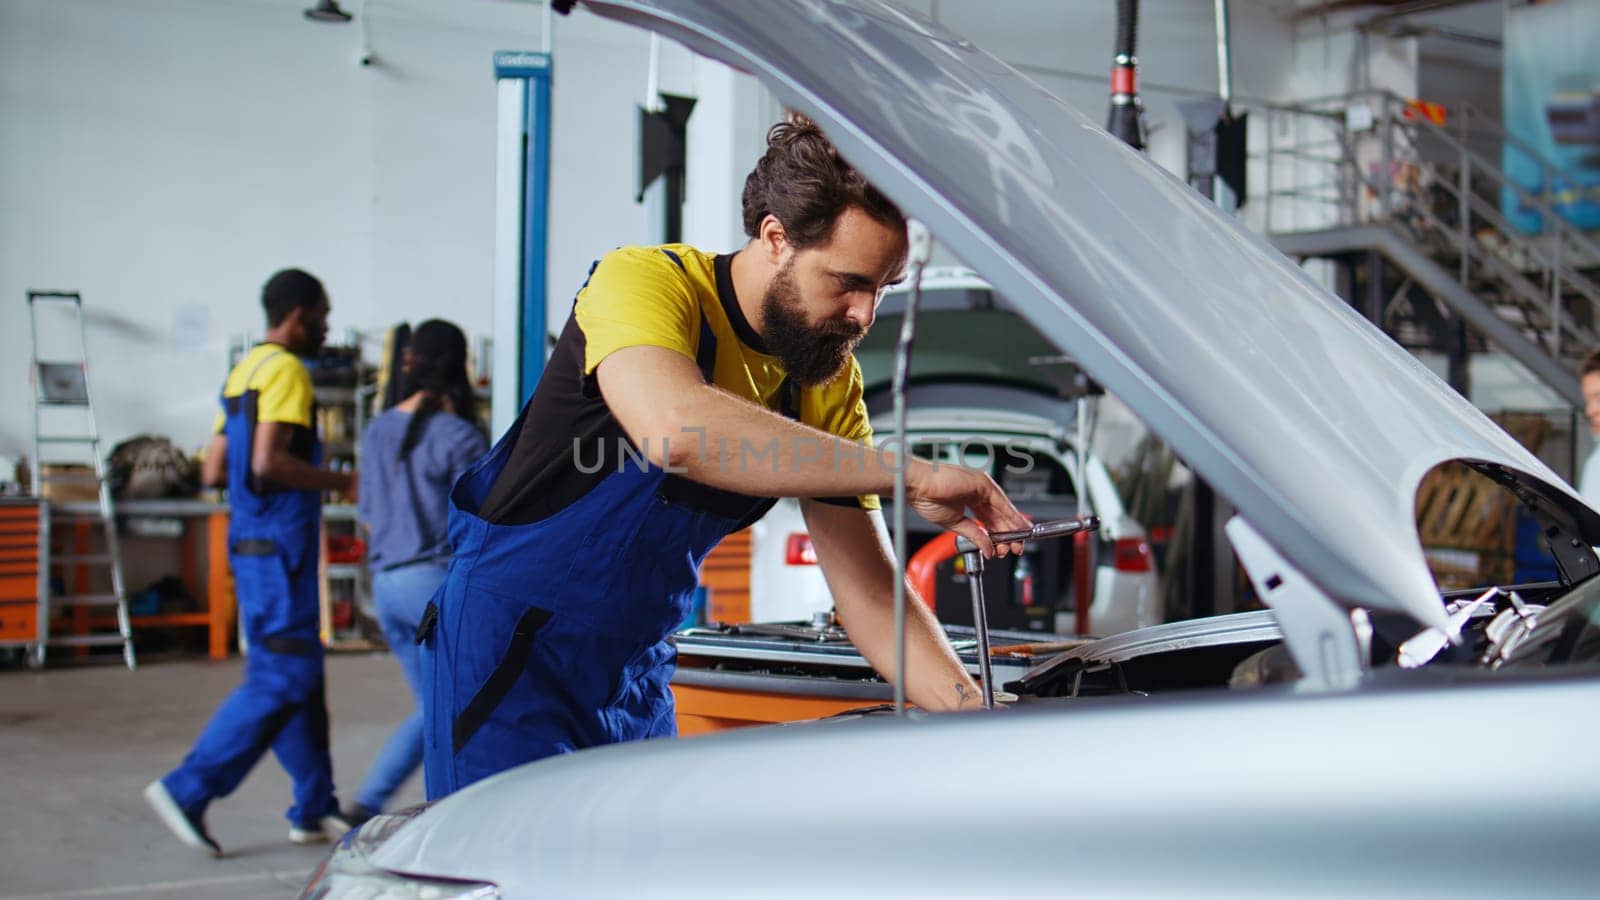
1311 422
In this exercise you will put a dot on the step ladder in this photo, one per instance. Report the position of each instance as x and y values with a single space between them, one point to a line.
65 435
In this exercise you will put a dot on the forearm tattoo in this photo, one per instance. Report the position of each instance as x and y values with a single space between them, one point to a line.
961 694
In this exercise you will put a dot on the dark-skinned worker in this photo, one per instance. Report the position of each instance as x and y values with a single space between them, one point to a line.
266 452
686 391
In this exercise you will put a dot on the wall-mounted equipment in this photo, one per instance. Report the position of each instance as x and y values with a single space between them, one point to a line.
663 154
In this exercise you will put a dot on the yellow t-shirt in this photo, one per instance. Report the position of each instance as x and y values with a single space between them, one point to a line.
566 441
281 384
639 296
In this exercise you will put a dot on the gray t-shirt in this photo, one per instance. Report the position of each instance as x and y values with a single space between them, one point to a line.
406 505
1589 478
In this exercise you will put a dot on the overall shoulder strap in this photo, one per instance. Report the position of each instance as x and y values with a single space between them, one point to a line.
261 362
706 356
789 399
231 404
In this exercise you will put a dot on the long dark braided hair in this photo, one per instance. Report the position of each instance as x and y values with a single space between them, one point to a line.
438 368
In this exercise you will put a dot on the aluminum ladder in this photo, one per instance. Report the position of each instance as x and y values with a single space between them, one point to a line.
62 402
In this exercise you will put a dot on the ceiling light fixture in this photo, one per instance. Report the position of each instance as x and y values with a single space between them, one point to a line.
327 11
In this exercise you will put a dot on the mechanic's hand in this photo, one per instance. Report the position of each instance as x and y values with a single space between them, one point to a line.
942 494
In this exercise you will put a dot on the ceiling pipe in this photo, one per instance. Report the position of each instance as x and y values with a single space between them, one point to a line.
1224 56
1394 10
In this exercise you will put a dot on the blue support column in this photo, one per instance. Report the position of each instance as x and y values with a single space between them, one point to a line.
533 71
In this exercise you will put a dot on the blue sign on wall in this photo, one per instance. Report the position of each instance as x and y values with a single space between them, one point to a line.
1550 86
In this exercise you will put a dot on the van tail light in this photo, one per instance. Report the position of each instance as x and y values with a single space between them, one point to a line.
798 551
1131 554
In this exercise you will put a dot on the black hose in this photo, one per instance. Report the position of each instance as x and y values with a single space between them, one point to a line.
1127 27
1126 120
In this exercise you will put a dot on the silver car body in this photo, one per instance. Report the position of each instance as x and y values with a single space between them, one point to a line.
1312 423
1248 795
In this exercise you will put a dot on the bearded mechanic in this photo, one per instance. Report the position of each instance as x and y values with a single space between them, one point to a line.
686 391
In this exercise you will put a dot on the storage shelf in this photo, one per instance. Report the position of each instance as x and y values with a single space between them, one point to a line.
159 620
154 620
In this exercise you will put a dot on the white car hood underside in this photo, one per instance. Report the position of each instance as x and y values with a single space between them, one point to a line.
1311 422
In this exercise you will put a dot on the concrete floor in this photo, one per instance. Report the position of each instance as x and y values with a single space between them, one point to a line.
77 745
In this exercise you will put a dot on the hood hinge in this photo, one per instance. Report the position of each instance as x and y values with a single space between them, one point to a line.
1331 645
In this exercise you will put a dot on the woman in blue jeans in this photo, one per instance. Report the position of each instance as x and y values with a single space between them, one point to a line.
411 455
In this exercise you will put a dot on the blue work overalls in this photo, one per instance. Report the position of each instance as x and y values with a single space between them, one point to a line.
272 548
552 636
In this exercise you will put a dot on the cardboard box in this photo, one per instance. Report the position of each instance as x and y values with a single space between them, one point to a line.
68 483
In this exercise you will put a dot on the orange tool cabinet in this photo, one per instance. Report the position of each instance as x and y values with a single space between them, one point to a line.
726 572
19 571
706 710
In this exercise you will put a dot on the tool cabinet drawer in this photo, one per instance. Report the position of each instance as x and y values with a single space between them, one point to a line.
19 583
18 538
19 621
19 528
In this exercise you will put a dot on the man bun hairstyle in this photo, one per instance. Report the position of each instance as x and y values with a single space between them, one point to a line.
803 182
287 291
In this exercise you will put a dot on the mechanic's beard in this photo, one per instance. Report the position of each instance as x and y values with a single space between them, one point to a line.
813 355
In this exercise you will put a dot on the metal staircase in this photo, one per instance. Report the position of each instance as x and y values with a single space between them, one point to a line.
1411 210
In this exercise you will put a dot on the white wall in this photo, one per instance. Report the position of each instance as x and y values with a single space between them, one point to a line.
727 134
167 155
1067 47
164 156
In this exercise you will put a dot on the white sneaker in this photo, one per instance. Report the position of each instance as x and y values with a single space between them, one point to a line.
329 828
189 829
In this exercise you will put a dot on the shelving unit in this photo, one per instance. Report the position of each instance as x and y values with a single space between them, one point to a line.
346 586
200 530
342 413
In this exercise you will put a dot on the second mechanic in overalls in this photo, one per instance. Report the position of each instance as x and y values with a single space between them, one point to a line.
686 391
267 453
